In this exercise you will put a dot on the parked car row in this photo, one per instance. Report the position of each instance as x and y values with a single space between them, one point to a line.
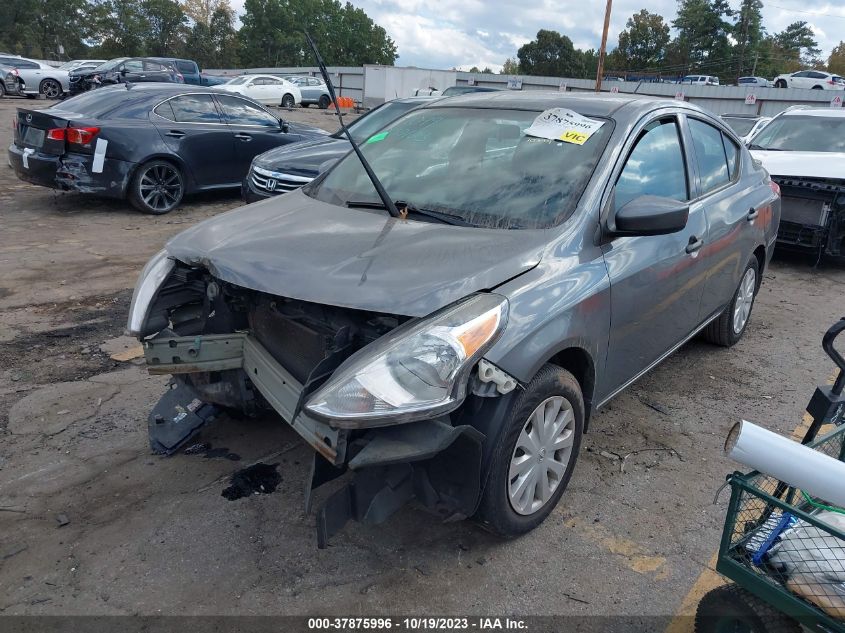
808 79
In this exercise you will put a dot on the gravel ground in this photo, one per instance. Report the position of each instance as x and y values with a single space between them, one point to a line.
152 535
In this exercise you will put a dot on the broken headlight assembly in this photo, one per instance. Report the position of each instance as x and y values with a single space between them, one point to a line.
413 372
149 281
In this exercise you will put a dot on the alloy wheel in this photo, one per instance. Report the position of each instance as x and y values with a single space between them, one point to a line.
542 453
744 300
51 88
160 187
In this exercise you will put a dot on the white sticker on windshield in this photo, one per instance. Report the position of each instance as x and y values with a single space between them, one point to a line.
561 124
26 154
99 156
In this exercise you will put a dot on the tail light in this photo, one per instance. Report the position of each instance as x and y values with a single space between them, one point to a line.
775 188
82 135
57 134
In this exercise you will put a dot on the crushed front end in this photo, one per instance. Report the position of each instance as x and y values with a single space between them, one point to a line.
812 214
392 425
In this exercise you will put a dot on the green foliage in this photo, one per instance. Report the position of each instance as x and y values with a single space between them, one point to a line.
642 45
703 32
43 28
799 45
551 55
510 67
836 61
271 34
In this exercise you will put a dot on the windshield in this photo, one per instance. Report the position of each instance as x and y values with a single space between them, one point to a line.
364 127
112 63
740 125
476 164
238 80
795 133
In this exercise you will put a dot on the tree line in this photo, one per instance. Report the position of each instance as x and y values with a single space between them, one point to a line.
271 33
711 39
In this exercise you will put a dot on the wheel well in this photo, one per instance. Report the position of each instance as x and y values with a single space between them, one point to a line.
579 363
760 254
187 177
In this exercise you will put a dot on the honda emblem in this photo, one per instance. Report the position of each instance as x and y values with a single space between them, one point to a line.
271 184
29 118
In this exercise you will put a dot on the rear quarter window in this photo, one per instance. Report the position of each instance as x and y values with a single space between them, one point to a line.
187 67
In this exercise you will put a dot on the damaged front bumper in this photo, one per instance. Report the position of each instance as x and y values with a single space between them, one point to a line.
812 214
436 462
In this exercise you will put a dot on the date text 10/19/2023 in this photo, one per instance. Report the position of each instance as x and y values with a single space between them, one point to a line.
417 624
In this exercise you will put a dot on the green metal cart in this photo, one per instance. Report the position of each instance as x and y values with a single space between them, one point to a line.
773 533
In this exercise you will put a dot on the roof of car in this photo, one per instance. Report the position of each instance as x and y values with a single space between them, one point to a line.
603 105
824 111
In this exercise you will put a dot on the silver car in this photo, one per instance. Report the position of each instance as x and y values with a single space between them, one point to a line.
549 250
314 90
37 77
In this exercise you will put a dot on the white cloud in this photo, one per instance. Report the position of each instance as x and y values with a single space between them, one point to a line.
466 33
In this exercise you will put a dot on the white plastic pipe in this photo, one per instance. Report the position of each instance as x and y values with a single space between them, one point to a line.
815 473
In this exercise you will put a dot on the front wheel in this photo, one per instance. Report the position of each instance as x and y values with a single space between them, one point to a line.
780 83
729 327
818 88
51 89
730 608
157 188
536 456
324 102
288 101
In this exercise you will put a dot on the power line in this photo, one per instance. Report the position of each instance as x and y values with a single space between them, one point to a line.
821 15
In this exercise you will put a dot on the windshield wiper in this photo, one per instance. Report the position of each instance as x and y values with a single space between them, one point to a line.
388 203
446 218
766 149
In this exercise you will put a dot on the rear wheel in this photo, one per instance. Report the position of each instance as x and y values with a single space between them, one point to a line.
324 102
731 609
818 88
51 89
729 327
535 459
288 101
2 90
157 188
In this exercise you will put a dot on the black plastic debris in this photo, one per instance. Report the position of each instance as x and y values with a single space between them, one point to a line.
209 452
256 479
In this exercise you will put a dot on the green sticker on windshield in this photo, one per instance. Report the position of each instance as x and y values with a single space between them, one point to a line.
377 137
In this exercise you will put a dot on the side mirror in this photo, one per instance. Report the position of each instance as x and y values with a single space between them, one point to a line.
651 215
284 126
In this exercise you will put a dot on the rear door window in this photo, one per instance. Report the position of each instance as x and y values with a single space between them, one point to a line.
655 167
710 154
187 67
732 154
133 66
242 112
194 109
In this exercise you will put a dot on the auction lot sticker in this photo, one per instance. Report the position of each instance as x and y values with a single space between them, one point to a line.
561 124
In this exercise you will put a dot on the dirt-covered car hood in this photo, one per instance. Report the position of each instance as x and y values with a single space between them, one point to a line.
295 246
802 164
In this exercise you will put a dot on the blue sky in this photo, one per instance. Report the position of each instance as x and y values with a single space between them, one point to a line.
466 33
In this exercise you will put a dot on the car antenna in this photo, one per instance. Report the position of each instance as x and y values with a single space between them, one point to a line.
385 199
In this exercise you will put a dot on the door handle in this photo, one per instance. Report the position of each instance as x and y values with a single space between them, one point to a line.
752 214
694 244
175 134
243 137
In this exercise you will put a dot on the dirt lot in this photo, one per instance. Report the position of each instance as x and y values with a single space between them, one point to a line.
152 535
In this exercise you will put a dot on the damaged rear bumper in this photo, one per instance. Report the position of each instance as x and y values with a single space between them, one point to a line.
70 172
433 461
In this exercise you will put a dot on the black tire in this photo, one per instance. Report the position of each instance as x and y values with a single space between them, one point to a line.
721 331
731 608
288 101
2 89
50 88
496 512
143 194
324 102
818 88
780 83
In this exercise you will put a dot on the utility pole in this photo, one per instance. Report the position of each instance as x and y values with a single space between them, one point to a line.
603 49
754 70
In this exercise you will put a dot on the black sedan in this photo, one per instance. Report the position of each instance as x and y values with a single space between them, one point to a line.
150 143
123 70
287 168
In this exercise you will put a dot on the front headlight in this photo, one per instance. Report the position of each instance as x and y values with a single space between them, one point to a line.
149 281
415 372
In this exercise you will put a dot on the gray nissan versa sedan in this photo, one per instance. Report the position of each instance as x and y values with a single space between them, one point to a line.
550 250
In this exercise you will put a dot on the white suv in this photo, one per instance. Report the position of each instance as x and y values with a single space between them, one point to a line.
812 79
700 80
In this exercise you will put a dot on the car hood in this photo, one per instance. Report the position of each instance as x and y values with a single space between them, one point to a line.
306 131
802 164
297 247
307 157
